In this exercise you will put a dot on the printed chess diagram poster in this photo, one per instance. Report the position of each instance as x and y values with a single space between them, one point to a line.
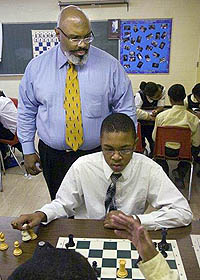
145 45
43 40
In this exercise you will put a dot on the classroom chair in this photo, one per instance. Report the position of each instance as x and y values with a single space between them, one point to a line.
179 135
15 101
139 148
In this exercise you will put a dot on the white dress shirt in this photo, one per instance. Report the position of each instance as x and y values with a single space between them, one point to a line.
8 114
83 192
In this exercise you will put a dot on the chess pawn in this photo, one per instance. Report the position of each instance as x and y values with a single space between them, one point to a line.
17 251
3 245
32 234
122 272
25 235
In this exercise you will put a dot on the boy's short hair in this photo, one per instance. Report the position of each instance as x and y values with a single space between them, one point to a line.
177 92
151 89
196 90
49 263
118 122
143 85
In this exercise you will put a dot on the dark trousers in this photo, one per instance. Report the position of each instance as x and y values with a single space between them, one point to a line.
55 164
146 132
183 166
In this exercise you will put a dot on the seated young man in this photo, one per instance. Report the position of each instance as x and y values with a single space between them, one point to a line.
192 101
178 116
91 189
152 97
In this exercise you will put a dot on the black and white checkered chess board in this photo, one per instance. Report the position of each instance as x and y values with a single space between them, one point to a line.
108 252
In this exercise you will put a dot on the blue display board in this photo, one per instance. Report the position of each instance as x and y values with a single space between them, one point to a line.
145 45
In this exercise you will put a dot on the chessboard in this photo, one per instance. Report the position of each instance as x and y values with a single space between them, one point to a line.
43 40
196 245
108 252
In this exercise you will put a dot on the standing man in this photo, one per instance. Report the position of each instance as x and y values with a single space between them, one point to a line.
65 94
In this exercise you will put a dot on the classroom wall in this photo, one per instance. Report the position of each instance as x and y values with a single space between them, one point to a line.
185 43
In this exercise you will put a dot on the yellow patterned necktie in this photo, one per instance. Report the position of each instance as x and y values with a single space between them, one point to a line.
72 105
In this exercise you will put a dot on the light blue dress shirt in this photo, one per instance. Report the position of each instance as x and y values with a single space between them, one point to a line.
104 89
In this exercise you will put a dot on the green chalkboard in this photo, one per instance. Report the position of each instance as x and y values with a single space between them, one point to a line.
17 44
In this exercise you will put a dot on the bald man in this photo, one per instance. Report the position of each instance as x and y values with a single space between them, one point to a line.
102 88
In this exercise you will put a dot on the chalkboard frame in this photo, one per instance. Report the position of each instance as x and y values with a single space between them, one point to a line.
17 44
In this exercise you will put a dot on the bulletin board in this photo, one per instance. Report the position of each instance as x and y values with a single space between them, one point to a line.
145 45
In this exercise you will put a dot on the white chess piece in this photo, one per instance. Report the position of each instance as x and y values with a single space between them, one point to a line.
25 234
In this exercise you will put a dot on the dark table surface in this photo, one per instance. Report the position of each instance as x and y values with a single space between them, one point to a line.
88 228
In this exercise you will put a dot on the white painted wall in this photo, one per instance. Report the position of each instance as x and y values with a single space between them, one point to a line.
185 42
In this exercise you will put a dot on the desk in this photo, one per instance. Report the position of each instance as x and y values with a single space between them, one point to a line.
89 228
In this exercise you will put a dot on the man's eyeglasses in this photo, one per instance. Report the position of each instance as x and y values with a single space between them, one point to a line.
111 152
77 41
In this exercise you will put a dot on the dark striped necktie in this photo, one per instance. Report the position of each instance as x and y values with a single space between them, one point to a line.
110 203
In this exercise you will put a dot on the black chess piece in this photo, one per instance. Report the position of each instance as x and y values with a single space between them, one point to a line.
163 245
163 253
70 242
138 260
96 270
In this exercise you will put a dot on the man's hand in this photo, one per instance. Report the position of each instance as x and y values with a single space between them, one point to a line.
136 234
108 222
31 220
32 163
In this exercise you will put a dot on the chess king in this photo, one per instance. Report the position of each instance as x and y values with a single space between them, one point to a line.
115 181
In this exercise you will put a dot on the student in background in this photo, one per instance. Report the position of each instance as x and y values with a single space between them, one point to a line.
8 126
151 98
192 101
178 116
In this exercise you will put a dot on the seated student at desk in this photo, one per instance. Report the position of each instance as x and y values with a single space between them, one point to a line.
151 98
192 101
178 116
69 264
114 181
8 124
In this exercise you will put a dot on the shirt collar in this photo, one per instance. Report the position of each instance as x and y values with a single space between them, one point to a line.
62 59
179 107
125 173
